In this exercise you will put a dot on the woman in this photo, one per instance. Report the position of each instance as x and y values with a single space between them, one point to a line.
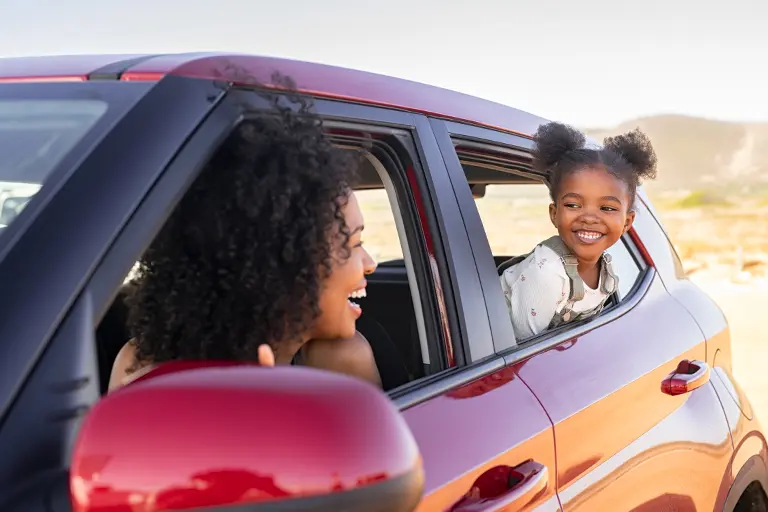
260 260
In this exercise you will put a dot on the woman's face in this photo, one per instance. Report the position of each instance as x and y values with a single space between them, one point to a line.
346 282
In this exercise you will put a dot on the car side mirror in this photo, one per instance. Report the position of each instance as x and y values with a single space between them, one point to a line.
224 436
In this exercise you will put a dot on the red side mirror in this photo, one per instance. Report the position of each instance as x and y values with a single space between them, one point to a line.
203 436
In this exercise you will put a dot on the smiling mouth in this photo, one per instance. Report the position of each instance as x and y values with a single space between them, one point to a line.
588 237
357 294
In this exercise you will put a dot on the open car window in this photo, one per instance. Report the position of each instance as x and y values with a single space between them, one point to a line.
513 201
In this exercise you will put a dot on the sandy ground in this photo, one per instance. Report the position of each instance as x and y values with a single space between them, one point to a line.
744 305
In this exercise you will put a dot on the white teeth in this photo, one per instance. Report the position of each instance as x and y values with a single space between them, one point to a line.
589 235
358 294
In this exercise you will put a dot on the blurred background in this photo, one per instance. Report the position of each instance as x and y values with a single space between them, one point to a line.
689 74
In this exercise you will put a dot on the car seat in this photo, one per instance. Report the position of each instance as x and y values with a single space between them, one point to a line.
112 333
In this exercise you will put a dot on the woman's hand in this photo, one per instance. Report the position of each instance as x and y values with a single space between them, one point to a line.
266 355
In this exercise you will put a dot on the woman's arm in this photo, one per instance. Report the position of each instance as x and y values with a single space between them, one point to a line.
120 375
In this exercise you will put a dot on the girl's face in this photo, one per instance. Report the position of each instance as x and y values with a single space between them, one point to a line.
338 311
591 212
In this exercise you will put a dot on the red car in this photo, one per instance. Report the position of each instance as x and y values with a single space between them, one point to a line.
635 409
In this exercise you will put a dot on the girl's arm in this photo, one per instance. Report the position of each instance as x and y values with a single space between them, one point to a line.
533 297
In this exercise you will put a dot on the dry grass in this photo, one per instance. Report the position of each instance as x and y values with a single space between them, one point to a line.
725 247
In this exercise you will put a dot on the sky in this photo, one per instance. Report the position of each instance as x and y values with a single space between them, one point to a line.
591 63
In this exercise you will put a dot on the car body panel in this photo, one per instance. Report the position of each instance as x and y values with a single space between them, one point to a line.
318 79
602 391
705 311
731 393
58 68
489 422
749 462
674 464
340 83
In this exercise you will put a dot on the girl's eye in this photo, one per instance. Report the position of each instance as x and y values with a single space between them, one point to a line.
571 205
359 244
609 209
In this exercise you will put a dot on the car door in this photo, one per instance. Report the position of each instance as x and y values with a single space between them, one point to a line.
623 438
622 441
486 441
484 438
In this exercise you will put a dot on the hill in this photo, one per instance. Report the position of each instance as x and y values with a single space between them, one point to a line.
703 154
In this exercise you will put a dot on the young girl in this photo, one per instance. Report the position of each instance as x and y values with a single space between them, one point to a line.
570 276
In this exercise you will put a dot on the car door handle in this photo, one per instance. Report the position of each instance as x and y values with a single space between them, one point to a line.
505 488
688 375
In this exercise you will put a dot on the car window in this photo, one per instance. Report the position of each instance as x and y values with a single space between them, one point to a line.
513 204
396 310
381 238
35 135
626 267
516 218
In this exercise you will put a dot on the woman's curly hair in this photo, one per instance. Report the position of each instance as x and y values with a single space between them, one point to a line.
242 258
561 150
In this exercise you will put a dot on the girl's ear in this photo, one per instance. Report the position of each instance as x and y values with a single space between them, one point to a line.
629 220
552 213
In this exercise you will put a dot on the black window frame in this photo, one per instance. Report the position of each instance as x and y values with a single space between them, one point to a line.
447 132
393 159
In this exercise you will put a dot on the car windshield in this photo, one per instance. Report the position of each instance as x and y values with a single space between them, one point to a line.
35 135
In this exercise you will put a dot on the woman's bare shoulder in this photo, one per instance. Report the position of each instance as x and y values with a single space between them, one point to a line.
124 368
352 356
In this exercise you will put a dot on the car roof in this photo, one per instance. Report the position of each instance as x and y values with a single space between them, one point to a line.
320 80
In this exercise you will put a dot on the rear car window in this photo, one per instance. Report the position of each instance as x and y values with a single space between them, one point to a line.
35 135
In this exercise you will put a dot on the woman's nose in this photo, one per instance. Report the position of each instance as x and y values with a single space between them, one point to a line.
369 264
